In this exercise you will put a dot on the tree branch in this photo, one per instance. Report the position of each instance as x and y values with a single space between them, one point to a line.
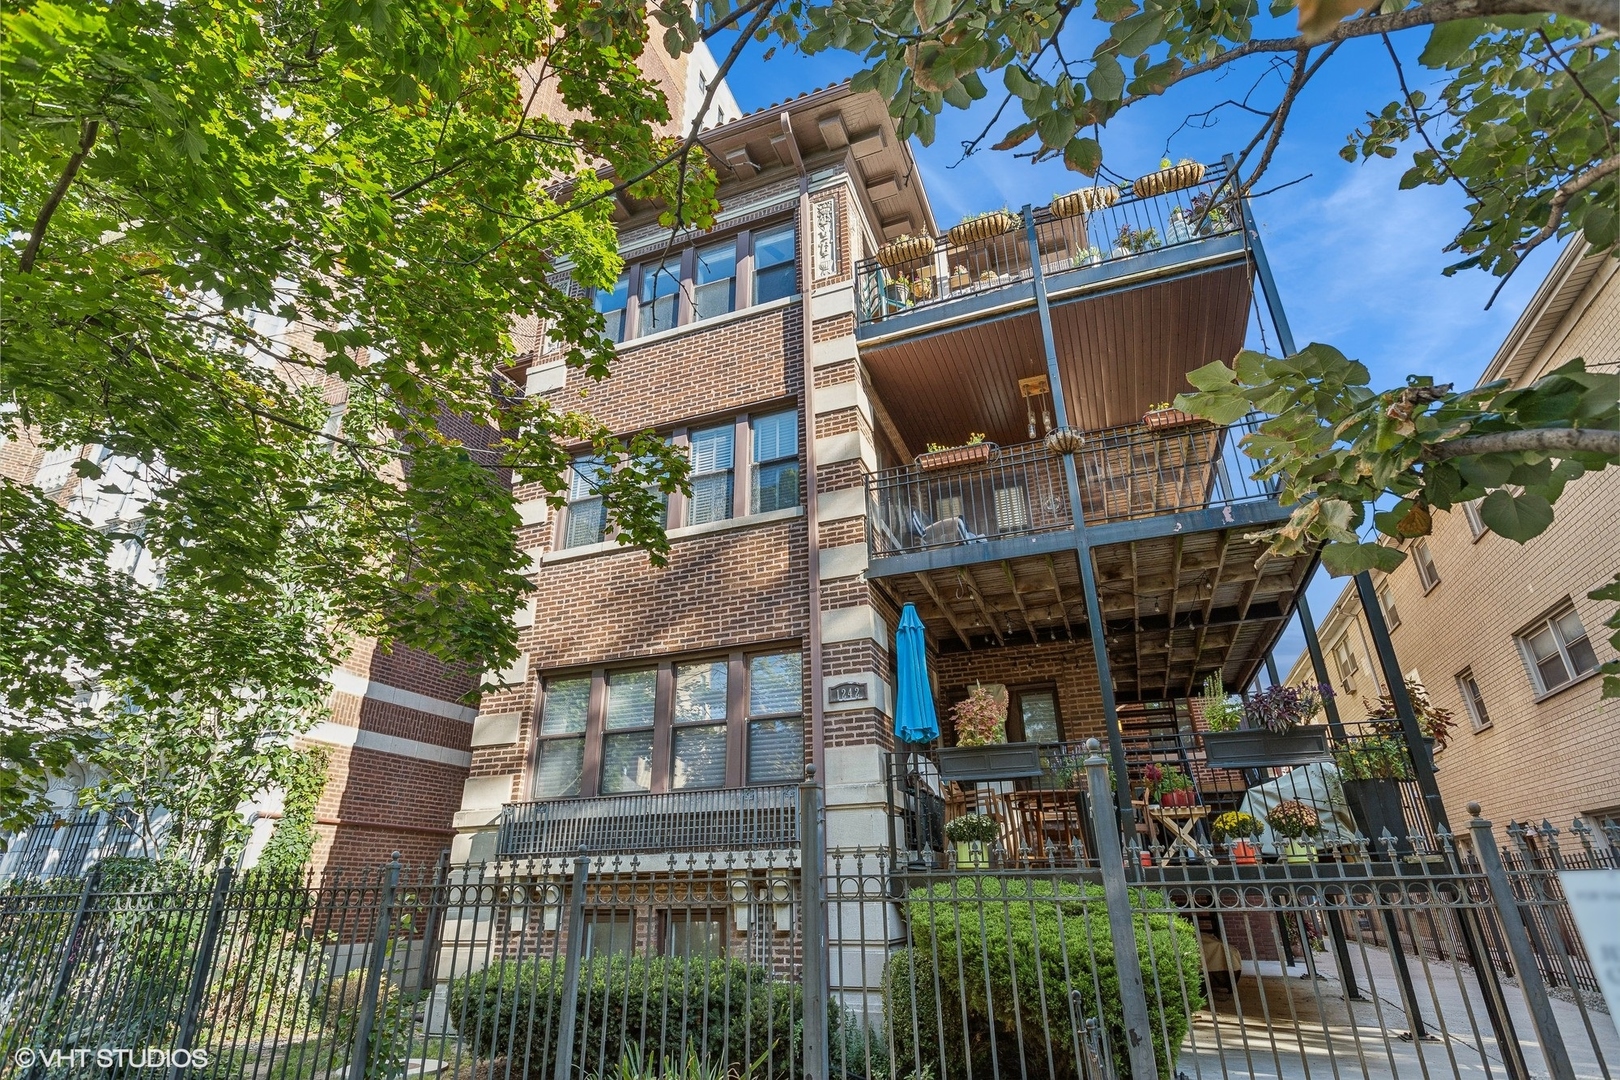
1567 191
87 138
1544 440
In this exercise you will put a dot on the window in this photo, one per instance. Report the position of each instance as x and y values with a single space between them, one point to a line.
698 743
775 722
627 736
776 461
711 479
1476 524
775 269
587 517
1345 659
560 758
1473 700
1557 651
609 933
660 296
695 933
1427 574
613 304
1386 604
716 271
688 724
1037 715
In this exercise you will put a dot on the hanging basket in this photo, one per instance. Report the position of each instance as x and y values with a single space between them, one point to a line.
984 228
1174 178
1065 441
905 249
956 456
1084 201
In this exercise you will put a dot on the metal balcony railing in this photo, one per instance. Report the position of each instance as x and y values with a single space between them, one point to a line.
945 270
1124 473
739 819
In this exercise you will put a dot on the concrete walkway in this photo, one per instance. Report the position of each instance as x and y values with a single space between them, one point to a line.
1301 1028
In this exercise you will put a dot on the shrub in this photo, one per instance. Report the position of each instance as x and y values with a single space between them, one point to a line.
1283 708
1222 712
981 719
1008 952
726 1011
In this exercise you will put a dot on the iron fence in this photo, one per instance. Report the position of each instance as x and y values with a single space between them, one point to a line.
1358 960
740 819
994 252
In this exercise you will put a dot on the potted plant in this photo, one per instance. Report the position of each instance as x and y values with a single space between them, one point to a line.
1237 831
1293 821
975 451
985 226
1274 731
1208 216
1129 241
973 834
1169 786
1084 201
960 278
982 751
1183 174
1088 256
905 248
1222 711
1161 414
1371 768
1178 230
897 290
1434 722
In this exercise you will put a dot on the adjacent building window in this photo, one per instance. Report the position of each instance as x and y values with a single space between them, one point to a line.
1473 700
1557 651
775 264
660 296
712 451
1476 524
1386 604
587 516
776 461
613 306
716 280
1427 574
1344 658
708 722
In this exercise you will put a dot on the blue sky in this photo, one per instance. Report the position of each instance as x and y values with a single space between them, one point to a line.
1358 262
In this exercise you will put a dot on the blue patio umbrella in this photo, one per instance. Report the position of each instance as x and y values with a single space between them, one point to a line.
914 719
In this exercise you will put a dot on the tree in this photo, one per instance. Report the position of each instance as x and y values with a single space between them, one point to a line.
223 218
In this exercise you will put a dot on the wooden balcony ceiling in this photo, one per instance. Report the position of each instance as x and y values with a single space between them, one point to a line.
1119 352
997 602
1179 607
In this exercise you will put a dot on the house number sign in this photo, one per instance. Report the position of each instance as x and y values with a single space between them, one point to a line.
846 691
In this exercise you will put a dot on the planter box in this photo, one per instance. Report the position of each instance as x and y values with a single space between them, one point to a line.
999 761
955 456
1258 748
1376 806
1167 418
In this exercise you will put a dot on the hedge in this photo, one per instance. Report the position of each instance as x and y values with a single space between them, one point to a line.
733 1013
987 980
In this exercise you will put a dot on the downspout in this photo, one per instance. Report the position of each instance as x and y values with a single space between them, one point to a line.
812 522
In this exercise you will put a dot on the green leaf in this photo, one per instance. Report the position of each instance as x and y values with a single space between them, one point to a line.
1019 84
1448 41
1517 517
1083 155
1107 79
1212 376
1343 560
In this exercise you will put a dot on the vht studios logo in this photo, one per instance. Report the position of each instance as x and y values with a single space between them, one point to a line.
79 1057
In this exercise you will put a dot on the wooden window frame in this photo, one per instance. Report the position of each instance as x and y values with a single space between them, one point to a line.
1015 693
737 720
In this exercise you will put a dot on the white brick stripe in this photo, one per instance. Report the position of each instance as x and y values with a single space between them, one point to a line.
348 682
342 735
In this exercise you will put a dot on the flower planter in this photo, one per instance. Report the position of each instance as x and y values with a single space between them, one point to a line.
955 456
1084 201
1243 852
1297 851
1376 806
960 279
972 855
1173 799
1065 441
1168 418
1257 748
898 293
998 761
905 249
1174 178
983 228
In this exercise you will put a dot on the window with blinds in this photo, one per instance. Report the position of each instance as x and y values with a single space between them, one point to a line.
715 280
660 296
776 461
587 516
711 477
775 718
775 264
613 304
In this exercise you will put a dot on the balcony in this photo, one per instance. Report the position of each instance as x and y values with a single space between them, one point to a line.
669 824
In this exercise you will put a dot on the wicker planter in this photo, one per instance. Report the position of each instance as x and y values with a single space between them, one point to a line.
904 249
1065 441
1174 178
984 228
1084 201
998 761
1257 748
1168 418
956 456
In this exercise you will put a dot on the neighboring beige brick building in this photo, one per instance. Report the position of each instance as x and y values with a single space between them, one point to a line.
1532 744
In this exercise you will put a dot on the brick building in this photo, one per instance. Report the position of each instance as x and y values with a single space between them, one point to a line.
1503 634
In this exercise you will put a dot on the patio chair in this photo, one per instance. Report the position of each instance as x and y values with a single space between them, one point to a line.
945 531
